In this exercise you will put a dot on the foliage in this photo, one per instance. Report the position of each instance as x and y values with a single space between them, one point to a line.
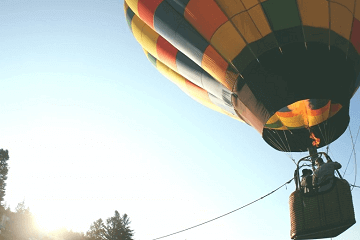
19 225
4 157
116 228
97 230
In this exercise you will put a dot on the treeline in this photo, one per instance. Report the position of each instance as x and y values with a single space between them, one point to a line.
21 224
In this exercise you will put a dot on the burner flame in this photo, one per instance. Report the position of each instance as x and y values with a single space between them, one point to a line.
316 141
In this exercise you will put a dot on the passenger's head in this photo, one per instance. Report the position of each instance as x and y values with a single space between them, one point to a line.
306 172
319 161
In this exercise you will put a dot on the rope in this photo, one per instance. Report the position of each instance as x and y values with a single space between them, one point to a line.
353 148
226 213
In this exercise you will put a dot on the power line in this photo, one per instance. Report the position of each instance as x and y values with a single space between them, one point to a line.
226 213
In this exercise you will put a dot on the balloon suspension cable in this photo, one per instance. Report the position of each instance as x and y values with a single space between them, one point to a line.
313 155
353 151
290 156
323 135
327 149
282 145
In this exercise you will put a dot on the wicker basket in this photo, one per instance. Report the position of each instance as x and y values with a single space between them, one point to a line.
323 215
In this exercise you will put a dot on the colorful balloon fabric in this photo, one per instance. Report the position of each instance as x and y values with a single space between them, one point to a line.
288 68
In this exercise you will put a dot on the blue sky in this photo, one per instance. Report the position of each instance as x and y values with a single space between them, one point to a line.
92 127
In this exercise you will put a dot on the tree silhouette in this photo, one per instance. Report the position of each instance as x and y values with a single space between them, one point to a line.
4 157
116 228
97 230
21 224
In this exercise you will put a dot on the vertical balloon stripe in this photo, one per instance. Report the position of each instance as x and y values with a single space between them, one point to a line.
137 27
341 20
166 52
195 92
228 41
246 26
349 4
133 4
179 5
129 16
154 43
216 66
220 103
159 47
216 89
282 14
231 8
250 3
357 10
184 37
188 68
355 34
147 9
173 27
149 39
315 14
173 76
205 16
152 59
258 16
232 77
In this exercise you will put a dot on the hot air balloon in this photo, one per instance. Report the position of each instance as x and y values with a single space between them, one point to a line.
288 68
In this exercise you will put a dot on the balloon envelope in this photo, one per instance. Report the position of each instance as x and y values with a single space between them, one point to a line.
288 68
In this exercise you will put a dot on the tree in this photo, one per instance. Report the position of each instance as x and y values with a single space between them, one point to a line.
128 233
21 225
117 228
97 230
4 157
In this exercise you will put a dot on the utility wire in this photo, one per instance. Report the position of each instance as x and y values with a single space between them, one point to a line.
226 213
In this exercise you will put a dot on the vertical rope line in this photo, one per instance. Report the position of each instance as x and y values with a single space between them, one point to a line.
353 150
322 134
274 141
301 23
287 141
289 148
355 165
279 144
282 141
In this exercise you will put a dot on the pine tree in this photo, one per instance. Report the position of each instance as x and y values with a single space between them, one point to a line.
4 157
117 228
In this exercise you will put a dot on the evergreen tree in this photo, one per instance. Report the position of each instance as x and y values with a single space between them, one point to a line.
117 228
4 157
97 230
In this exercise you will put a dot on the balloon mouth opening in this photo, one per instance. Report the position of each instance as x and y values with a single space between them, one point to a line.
302 114
306 123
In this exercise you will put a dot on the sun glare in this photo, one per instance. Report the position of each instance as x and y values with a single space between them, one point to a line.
47 222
